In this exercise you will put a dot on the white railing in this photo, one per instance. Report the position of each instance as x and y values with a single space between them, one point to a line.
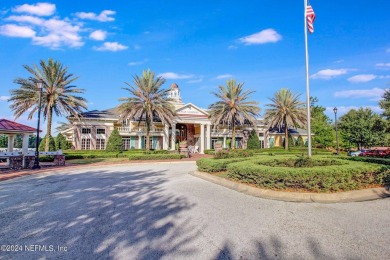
224 132
29 153
128 129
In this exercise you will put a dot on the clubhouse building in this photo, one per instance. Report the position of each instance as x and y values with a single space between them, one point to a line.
191 124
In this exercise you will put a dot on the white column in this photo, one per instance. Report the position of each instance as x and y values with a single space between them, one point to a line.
208 137
202 139
173 137
11 139
166 137
139 142
224 141
25 143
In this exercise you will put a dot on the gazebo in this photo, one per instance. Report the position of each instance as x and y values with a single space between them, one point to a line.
12 129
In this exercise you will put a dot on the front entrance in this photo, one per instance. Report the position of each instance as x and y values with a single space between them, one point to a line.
181 132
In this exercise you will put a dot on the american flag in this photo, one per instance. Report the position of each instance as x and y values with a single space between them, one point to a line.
311 16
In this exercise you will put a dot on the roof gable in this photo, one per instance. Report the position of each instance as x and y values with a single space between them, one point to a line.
191 109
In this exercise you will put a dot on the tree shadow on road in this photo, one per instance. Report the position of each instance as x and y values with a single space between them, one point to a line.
122 214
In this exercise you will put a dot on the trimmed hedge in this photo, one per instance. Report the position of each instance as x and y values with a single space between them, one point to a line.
369 160
224 154
155 156
216 165
348 176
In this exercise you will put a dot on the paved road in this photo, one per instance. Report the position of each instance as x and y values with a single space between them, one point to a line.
160 211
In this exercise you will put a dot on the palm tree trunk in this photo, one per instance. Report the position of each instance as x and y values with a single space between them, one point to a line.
48 134
147 135
233 136
285 137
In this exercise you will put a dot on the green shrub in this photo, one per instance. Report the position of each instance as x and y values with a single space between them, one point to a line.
339 175
61 143
223 154
46 158
52 144
253 141
209 151
155 156
384 161
300 142
114 143
156 152
216 165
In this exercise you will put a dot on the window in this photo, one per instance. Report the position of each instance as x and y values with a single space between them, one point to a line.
126 143
85 130
261 144
85 144
100 144
261 134
101 131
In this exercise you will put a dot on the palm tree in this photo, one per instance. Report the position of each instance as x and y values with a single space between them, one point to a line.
285 111
57 95
233 107
147 102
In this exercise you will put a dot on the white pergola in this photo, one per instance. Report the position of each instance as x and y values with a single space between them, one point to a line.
11 129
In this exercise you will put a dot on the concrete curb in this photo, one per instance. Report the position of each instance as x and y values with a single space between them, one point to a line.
16 174
342 197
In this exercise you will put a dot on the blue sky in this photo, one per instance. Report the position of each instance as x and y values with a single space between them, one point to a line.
199 45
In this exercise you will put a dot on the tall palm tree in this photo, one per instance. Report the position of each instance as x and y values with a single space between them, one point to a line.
286 110
57 95
147 101
233 107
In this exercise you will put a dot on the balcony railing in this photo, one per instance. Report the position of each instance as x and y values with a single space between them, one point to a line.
224 132
128 129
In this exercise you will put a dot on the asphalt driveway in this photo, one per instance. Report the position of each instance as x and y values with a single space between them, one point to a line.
153 211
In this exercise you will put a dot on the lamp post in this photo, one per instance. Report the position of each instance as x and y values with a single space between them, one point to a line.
36 162
335 125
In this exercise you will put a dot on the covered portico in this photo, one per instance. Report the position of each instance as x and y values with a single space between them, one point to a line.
11 129
192 125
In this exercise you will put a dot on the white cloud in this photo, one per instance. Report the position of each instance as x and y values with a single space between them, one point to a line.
362 78
224 76
172 75
4 98
265 36
339 61
341 110
40 9
104 16
329 73
136 63
373 94
12 30
200 79
383 65
98 35
111 46
232 47
59 33
26 19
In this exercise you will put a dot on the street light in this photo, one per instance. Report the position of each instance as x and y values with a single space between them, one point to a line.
36 162
335 125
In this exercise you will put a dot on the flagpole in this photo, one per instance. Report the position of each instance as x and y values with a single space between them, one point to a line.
307 85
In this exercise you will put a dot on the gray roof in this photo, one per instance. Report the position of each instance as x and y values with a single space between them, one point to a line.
292 131
111 113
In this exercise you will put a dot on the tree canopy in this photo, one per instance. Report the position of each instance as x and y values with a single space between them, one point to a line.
285 111
233 107
58 96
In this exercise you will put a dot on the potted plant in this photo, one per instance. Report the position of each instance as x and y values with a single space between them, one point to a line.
183 144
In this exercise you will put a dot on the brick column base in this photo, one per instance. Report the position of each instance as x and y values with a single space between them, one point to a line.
59 160
15 162
28 161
